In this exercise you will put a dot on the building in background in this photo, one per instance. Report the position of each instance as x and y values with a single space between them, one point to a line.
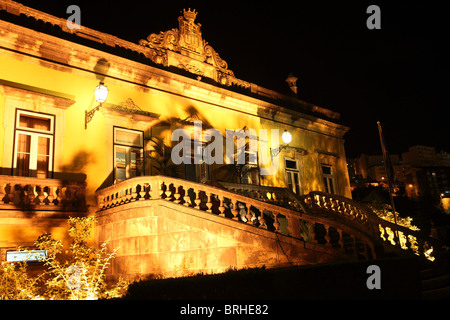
421 172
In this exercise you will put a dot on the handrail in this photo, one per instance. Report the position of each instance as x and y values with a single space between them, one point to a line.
338 236
28 193
341 208
275 195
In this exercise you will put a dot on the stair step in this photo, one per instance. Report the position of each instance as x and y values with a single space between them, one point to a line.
435 283
441 293
426 273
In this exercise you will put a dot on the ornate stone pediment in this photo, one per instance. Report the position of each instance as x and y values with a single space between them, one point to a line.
186 49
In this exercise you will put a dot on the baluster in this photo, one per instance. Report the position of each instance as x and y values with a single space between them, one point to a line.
51 195
366 251
317 200
209 201
349 210
23 194
186 198
276 224
114 199
154 192
59 191
2 193
126 195
117 198
41 195
327 235
9 190
325 203
341 240
338 206
331 205
30 194
355 248
197 200
412 244
134 192
312 232
162 192
421 247
235 210
108 201
177 194
15 194
262 221
131 194
249 215
222 207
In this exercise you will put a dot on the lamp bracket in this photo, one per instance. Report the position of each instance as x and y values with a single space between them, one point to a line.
88 115
276 151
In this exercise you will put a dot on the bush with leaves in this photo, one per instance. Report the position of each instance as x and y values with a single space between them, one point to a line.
16 284
78 274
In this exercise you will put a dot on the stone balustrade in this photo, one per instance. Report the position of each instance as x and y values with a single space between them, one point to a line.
337 236
278 196
388 233
27 193
340 208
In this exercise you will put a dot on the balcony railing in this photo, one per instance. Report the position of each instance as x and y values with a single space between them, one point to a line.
340 208
338 236
26 193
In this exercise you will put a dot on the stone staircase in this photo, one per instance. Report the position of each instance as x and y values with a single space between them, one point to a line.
313 228
341 209
435 284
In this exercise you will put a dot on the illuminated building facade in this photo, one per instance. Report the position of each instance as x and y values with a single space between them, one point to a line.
66 151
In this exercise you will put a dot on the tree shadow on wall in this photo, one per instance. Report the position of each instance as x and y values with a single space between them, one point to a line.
101 69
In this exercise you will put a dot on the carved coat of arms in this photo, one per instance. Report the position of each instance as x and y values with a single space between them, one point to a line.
188 41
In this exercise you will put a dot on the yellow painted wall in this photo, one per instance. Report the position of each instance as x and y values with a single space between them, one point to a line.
89 152
89 145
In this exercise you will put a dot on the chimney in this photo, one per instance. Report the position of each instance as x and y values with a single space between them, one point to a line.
292 83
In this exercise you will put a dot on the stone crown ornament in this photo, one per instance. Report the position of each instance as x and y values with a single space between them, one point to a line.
189 15
186 49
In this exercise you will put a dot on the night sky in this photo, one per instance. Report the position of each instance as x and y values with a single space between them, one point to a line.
394 75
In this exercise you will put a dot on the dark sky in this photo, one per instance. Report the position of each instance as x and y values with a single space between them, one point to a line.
396 75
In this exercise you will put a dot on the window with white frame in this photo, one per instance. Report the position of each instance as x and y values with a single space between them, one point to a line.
128 153
251 169
328 179
33 147
292 175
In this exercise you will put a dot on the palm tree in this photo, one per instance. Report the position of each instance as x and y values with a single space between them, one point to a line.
236 172
161 159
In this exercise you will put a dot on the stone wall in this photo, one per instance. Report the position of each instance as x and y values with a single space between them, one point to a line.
159 238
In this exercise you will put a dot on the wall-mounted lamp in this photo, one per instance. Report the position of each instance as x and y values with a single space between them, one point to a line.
101 93
287 138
